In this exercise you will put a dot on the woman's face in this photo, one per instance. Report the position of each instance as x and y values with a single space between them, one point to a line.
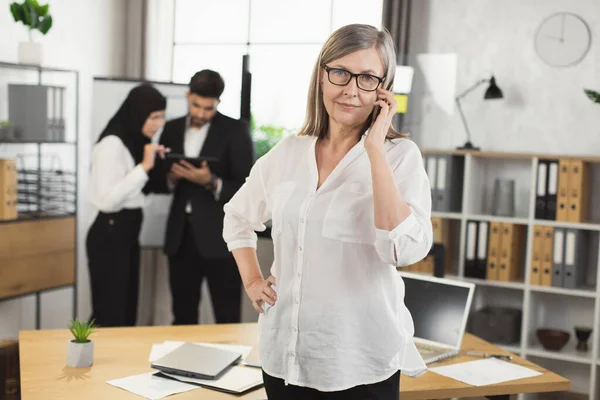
153 123
350 105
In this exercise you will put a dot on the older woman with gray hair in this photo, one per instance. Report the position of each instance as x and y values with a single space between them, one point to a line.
349 201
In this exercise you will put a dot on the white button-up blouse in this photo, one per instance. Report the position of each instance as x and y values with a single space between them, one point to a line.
340 319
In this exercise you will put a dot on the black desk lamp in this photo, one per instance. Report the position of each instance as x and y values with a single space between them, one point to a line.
493 92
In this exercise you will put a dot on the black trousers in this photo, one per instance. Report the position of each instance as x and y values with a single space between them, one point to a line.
113 251
388 389
187 270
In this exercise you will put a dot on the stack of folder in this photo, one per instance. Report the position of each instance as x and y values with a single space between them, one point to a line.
559 257
562 190
446 175
495 250
8 190
444 239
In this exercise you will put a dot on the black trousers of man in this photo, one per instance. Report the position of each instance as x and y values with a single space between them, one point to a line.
187 270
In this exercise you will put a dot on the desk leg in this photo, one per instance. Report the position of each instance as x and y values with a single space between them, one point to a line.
499 397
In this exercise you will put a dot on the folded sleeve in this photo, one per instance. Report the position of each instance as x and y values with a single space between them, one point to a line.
247 211
411 240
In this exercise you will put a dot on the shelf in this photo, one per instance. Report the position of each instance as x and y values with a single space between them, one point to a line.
34 67
494 218
508 156
28 142
571 355
23 217
571 225
493 283
446 215
566 292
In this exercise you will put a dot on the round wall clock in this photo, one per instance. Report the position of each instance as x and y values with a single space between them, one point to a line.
563 39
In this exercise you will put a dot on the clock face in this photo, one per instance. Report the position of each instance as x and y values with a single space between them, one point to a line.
563 39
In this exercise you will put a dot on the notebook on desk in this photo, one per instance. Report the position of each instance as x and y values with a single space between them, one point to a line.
197 361
440 310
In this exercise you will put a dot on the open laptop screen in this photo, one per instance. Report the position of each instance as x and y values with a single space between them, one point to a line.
439 308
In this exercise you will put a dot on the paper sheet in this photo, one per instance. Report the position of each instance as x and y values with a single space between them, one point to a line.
151 387
237 379
485 372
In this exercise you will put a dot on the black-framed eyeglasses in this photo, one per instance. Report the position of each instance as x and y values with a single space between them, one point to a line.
341 77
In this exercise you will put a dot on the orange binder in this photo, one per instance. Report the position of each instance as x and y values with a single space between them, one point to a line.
535 276
578 191
8 190
493 251
512 238
562 195
546 254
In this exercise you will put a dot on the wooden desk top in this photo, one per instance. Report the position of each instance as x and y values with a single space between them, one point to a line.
121 352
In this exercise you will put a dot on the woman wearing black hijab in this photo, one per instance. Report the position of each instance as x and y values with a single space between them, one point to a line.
121 160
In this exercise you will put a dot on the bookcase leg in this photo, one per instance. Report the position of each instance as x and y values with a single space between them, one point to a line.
37 310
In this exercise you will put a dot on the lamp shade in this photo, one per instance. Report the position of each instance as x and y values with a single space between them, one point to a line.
493 91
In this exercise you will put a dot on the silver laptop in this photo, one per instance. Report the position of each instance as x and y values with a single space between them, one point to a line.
440 310
197 361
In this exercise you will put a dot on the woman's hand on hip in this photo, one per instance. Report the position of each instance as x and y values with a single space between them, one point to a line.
150 151
379 129
260 291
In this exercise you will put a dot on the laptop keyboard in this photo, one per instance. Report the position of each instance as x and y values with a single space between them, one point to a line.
428 351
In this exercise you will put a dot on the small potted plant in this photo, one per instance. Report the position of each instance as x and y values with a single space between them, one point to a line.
592 95
35 17
6 131
80 350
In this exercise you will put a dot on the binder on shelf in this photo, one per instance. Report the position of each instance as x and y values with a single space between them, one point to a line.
8 190
575 259
449 178
540 193
512 238
482 247
493 251
431 169
471 264
579 173
551 190
562 198
546 254
438 229
558 257
535 276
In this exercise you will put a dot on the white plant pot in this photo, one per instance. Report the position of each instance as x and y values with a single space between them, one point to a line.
30 53
80 355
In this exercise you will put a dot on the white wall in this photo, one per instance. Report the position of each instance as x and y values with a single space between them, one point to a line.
544 109
86 36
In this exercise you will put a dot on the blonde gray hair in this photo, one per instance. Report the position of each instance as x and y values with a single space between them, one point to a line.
346 40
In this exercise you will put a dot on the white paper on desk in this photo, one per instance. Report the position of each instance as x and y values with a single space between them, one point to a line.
485 372
237 379
160 350
151 387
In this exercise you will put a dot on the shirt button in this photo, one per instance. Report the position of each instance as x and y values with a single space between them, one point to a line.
301 220
291 354
296 301
393 236
295 329
300 248
299 274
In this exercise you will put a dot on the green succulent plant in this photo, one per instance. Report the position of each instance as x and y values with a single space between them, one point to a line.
33 15
593 95
81 330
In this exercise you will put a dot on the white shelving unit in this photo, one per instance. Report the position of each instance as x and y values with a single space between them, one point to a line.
549 307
